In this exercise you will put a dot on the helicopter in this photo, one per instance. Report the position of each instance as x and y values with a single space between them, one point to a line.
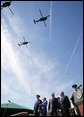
41 19
23 43
7 4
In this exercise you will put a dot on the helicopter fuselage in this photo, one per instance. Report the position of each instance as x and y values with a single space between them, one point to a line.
25 43
43 18
6 4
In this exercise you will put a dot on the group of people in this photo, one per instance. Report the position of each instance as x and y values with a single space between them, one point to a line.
54 104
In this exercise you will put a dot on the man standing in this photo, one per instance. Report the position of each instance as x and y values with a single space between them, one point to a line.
53 105
75 106
44 107
37 106
65 104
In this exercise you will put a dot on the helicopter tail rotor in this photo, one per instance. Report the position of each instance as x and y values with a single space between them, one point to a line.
34 21
19 44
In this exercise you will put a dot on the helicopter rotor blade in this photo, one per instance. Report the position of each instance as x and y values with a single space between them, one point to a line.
21 42
44 23
40 13
24 38
11 10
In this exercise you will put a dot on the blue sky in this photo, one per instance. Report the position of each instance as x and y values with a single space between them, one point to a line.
54 59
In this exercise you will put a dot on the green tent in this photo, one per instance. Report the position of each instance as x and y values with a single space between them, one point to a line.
13 108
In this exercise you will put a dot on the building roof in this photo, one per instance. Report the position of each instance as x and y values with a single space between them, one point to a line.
12 105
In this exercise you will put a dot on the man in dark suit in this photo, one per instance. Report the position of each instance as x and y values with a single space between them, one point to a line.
37 106
65 104
53 105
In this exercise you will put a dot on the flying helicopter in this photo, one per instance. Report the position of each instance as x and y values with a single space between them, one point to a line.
24 42
7 4
42 18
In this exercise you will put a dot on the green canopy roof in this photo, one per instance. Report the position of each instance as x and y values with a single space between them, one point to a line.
12 105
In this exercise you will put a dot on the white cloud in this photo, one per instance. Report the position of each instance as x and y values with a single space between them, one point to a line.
17 24
72 54
6 90
12 59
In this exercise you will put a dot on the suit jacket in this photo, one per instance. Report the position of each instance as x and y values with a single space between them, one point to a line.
37 105
66 103
53 104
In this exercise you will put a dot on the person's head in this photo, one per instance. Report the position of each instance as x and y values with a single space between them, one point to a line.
62 94
58 98
44 99
53 95
37 96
